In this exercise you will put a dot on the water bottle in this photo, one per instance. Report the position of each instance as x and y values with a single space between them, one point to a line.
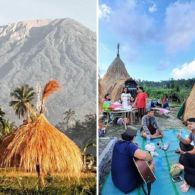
148 139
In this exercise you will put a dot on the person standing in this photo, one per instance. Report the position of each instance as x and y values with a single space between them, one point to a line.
141 101
125 98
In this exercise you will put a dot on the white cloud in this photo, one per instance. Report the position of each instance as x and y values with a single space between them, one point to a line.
152 8
104 11
186 71
179 26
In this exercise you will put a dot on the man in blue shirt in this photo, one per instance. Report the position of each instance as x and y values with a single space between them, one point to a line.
124 172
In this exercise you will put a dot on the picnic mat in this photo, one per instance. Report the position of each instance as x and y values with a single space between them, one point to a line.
163 184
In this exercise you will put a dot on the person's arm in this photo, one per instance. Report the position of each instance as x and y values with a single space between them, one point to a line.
121 98
142 155
191 151
144 125
135 102
184 140
146 97
155 123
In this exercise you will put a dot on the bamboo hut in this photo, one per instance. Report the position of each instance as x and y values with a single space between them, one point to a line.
40 143
190 105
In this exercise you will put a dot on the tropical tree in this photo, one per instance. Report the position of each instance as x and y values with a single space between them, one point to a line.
22 103
86 147
69 118
7 127
1 116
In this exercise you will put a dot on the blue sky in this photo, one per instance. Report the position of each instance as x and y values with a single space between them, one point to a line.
157 37
83 11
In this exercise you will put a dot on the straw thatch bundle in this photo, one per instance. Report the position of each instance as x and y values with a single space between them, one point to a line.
40 143
190 105
117 90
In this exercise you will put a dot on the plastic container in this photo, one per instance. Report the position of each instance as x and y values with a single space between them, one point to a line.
148 138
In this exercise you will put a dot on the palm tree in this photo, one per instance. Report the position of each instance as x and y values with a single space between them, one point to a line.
23 101
69 118
88 145
1 116
7 127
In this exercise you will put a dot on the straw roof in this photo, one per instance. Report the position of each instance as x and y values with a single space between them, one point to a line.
40 142
116 71
190 105
117 89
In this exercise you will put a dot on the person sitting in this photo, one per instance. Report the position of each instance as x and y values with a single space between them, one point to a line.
150 126
121 121
132 100
187 158
123 170
106 108
165 103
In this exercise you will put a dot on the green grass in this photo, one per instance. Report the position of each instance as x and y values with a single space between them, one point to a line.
54 185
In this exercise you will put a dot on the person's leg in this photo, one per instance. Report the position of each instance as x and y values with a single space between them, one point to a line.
143 134
189 163
185 147
189 171
161 132
190 179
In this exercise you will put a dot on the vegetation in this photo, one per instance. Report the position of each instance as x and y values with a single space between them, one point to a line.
83 132
21 185
69 118
173 88
55 184
6 126
22 103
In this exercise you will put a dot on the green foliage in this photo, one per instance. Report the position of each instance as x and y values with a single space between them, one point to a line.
6 126
56 185
83 133
22 102
156 90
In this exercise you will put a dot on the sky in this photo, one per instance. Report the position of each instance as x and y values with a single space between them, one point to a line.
83 11
157 37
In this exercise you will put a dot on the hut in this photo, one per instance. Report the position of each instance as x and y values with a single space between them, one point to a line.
39 147
190 105
116 78
132 86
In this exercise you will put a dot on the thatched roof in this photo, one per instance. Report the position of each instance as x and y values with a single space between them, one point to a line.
117 90
115 72
40 142
190 105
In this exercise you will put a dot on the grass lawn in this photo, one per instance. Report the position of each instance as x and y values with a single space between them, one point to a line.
25 183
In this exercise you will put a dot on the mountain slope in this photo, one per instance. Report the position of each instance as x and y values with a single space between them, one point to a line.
36 51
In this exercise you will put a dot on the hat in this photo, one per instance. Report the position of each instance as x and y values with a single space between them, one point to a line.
129 132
